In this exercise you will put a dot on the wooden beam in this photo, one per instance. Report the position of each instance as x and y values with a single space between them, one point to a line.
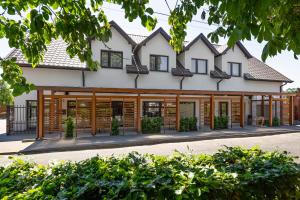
94 114
177 113
291 111
212 112
242 112
60 113
40 116
158 91
138 113
270 111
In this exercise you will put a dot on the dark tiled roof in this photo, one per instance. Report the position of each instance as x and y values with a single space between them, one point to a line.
258 70
180 70
55 57
218 73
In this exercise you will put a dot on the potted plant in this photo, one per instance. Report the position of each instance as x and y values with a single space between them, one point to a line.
69 127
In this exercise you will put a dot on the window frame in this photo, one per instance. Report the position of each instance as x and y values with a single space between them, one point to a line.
109 59
197 68
231 69
155 56
146 105
221 114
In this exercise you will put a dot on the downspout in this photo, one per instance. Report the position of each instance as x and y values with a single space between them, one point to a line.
135 80
218 84
181 82
83 78
281 86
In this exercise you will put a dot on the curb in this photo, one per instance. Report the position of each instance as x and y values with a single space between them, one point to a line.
147 142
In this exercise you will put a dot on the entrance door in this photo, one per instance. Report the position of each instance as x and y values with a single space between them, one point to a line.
223 109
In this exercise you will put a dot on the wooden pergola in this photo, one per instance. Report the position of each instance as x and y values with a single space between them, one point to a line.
52 92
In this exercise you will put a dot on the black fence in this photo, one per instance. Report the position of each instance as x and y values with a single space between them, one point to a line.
21 119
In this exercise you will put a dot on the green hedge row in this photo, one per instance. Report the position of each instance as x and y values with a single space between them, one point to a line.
232 173
221 122
151 124
188 124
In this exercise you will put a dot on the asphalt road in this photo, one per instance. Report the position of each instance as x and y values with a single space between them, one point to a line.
284 142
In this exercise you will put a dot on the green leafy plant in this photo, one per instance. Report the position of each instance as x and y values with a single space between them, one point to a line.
276 121
151 124
231 173
188 124
221 122
69 127
115 125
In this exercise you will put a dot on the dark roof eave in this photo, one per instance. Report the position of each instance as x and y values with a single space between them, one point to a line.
54 67
206 42
268 80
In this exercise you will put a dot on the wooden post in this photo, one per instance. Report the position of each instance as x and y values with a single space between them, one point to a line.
52 111
94 114
212 112
40 116
242 112
281 111
177 113
270 111
263 106
60 113
138 113
291 111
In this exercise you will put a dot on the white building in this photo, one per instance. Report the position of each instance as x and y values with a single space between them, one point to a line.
143 76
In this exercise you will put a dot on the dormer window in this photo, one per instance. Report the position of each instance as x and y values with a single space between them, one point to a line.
199 66
159 63
235 69
112 59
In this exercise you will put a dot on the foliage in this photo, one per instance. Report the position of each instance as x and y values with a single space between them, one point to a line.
69 127
151 124
232 173
188 124
221 122
276 121
115 125
276 22
6 97
31 25
292 90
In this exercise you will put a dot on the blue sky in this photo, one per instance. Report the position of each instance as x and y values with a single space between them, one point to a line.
284 62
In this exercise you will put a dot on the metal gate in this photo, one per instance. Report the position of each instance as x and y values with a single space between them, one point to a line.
21 119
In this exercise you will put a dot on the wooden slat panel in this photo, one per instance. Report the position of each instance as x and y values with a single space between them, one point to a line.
170 113
235 113
206 113
129 113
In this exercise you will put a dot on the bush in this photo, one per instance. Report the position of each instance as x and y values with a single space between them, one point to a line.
115 124
232 173
221 122
276 121
151 124
188 124
69 127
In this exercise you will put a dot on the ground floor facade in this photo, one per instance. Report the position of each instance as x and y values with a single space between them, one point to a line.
93 109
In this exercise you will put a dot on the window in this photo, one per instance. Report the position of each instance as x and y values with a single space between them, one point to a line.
71 108
117 109
235 69
199 66
152 109
223 109
187 109
159 63
112 59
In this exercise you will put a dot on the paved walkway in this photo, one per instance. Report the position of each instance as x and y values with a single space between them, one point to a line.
283 142
102 142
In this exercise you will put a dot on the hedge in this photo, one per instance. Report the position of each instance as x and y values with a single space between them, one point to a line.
232 173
